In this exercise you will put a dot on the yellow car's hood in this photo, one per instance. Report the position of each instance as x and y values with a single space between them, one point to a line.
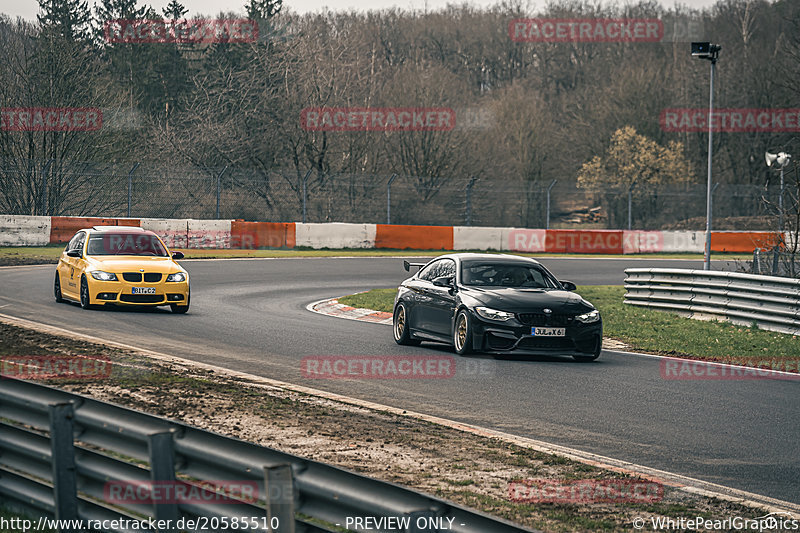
129 263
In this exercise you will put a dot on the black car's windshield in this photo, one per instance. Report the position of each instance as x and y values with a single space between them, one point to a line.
506 275
125 244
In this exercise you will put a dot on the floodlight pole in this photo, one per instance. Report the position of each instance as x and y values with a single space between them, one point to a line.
712 55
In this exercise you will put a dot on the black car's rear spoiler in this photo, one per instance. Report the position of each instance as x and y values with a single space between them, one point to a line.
408 265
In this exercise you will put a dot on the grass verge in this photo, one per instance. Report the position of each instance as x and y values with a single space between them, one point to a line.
656 331
33 255
469 469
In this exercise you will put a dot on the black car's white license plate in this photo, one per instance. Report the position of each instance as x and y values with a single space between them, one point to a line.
548 332
143 290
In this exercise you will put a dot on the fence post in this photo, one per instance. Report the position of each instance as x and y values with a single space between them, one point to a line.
468 214
45 205
756 261
62 450
305 193
279 484
389 199
219 181
162 470
630 205
130 187
547 215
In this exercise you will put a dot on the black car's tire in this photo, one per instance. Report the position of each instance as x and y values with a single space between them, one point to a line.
402 335
85 299
462 334
181 309
57 289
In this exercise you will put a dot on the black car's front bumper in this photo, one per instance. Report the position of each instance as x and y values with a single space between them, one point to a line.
492 337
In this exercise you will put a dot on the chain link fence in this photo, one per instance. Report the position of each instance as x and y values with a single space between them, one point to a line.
70 188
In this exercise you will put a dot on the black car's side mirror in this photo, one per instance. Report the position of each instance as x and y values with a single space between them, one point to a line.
74 253
444 281
568 285
177 255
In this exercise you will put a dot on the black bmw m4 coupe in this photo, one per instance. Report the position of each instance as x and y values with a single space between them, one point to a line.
502 304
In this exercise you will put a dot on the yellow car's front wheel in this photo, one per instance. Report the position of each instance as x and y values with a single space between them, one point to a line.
86 301
57 289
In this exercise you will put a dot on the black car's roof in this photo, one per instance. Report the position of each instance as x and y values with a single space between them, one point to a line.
505 258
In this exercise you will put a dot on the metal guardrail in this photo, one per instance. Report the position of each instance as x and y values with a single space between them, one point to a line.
59 451
771 303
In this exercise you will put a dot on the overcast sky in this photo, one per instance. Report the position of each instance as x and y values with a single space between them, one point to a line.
28 8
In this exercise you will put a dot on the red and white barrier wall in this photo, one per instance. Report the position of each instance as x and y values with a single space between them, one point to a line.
190 233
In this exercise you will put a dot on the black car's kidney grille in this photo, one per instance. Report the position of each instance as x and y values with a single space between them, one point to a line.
133 277
541 319
152 277
141 298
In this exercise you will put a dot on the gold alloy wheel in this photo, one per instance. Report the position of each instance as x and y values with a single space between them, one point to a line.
400 322
461 332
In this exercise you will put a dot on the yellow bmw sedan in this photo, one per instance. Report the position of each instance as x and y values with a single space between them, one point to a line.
121 265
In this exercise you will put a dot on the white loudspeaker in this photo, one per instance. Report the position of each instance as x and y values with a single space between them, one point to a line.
770 158
782 159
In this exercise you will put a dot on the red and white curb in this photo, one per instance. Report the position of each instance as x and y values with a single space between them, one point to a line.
332 307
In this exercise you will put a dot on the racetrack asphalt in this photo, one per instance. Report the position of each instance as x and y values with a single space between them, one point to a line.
250 316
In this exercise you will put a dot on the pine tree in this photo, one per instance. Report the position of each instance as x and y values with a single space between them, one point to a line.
68 19
174 10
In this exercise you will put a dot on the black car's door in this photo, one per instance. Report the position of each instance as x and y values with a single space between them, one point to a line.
435 305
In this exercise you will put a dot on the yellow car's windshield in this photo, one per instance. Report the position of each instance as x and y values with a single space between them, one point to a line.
125 244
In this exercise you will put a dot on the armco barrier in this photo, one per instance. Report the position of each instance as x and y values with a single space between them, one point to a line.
524 240
335 235
253 235
63 228
190 233
414 237
24 230
742 241
565 241
208 233
684 241
770 302
42 467
475 238
174 232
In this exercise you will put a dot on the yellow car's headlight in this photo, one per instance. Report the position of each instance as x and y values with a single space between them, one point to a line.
103 276
177 276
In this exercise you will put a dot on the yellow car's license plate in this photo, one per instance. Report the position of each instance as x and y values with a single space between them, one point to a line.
548 332
143 290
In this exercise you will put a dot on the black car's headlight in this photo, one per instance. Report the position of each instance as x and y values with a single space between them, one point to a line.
493 314
103 276
177 276
588 318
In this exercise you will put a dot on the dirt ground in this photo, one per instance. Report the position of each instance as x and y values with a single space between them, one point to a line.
471 470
